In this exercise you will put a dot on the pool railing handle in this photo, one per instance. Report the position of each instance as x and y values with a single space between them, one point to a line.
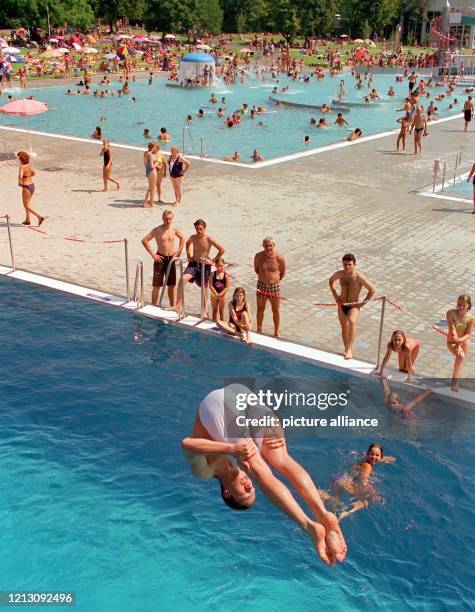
137 297
173 262
381 325
127 274
10 241
203 289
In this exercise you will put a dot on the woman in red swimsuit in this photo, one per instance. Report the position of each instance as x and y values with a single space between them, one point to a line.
240 318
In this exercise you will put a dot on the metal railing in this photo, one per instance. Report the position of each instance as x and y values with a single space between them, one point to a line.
138 297
203 289
181 288
10 242
443 168
187 130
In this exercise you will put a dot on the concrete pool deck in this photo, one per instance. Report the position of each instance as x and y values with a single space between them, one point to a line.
359 199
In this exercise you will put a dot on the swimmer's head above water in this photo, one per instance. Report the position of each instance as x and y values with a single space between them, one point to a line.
374 454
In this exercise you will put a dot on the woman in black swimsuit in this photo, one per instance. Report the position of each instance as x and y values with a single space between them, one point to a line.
107 168
177 165
25 181
219 283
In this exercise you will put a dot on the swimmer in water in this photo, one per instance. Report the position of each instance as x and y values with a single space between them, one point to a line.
357 133
322 123
340 121
146 133
407 350
213 99
357 483
394 404
189 119
200 113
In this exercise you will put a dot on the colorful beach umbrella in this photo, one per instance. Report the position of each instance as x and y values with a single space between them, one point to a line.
123 51
24 108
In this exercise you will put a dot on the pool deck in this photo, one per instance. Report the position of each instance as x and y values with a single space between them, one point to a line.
361 199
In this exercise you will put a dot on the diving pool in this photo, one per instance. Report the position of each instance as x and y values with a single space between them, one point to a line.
97 497
460 188
281 134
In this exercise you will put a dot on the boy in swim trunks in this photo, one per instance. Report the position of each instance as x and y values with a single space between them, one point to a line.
270 269
165 236
351 283
198 247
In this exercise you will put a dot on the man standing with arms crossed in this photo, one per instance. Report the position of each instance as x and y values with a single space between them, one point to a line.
270 269
165 236
351 283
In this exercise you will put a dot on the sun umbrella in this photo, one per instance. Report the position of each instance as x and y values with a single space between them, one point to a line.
63 50
110 56
358 40
3 42
139 36
369 42
245 50
53 40
343 35
170 36
24 108
10 50
76 46
124 37
89 50
123 51
13 60
52 53
203 47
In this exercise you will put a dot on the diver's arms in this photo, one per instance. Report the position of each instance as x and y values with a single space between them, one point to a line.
388 459
413 403
196 450
386 389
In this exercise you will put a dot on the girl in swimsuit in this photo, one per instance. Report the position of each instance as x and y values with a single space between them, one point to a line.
240 318
150 173
394 404
357 483
219 283
107 169
460 328
178 165
472 174
25 181
407 350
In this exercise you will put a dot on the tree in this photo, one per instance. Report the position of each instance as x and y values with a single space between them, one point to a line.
209 16
284 18
316 16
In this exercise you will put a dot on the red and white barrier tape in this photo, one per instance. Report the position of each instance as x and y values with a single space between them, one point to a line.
72 239
429 325
375 299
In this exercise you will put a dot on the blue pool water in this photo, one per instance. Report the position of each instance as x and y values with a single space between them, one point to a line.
97 498
460 188
158 105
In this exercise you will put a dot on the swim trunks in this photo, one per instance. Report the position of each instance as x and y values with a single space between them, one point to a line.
194 270
160 269
264 289
467 114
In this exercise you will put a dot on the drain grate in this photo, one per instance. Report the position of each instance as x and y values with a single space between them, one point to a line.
53 169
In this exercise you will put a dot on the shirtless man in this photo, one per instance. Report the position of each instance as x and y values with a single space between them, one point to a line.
165 236
212 453
198 247
412 79
351 283
467 112
270 269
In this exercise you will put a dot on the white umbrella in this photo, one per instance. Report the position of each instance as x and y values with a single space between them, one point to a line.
203 47
10 50
76 46
110 56
53 40
245 50
63 50
169 36
125 37
369 42
154 37
358 40
89 50
3 42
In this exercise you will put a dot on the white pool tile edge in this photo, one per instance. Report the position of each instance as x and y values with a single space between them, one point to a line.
439 194
285 347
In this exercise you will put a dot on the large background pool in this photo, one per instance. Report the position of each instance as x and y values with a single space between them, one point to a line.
97 498
158 105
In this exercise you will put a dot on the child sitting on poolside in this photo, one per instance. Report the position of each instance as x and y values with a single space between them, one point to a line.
240 318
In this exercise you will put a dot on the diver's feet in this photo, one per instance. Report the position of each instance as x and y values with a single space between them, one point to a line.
334 538
317 533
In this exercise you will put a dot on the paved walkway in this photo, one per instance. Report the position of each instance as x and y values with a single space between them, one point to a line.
360 199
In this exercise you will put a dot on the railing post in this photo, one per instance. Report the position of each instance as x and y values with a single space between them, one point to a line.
202 147
142 300
11 243
443 176
381 323
183 140
127 276
203 289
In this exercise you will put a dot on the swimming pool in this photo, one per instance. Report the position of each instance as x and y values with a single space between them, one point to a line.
460 188
281 134
97 497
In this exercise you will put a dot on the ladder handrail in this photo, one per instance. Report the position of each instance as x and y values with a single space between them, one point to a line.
187 130
172 262
138 299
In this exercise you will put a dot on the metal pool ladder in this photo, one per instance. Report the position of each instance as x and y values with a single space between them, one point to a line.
138 296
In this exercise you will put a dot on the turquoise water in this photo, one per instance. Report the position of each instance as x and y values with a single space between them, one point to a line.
97 498
158 105
460 188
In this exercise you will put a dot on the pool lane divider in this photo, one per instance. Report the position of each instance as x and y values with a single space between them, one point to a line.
212 160
277 345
